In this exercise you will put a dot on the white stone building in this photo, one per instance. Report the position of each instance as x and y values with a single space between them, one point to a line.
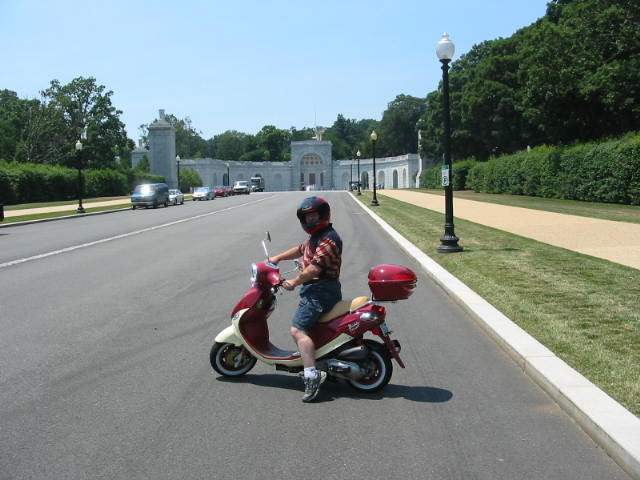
310 166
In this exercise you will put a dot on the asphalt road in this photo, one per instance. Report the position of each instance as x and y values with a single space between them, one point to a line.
104 368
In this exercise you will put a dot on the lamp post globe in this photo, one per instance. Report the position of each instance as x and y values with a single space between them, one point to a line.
374 139
80 179
445 49
358 156
448 242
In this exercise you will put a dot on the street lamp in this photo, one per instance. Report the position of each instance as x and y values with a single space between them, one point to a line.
178 166
351 175
374 139
449 242
80 179
228 176
358 155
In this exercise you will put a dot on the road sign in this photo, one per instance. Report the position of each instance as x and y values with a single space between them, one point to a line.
445 175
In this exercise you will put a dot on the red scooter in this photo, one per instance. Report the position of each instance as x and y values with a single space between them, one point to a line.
341 350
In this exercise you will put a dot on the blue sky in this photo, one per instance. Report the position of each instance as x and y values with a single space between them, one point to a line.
243 64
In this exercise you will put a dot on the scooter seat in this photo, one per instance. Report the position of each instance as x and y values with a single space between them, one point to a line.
343 307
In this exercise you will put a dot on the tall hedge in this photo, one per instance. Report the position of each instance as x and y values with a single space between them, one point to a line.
432 177
30 183
599 172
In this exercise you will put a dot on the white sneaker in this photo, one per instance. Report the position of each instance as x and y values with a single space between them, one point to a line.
312 385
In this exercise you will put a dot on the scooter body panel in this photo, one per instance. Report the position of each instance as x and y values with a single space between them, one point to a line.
228 335
250 329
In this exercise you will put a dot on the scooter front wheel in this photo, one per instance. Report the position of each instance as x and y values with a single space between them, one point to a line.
378 368
231 360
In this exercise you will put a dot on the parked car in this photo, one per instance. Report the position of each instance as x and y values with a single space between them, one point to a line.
203 193
241 186
219 191
150 195
176 196
228 189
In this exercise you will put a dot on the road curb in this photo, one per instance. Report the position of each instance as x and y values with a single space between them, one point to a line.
609 424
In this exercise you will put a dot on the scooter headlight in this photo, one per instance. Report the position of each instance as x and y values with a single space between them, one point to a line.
254 273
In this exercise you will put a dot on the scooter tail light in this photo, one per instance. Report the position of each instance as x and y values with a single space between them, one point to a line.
376 331
369 317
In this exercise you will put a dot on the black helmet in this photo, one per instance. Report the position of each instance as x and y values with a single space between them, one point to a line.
310 205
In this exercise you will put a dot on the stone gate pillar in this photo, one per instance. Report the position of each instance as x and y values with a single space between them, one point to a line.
311 164
162 149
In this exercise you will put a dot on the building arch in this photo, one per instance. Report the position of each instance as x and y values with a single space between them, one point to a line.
277 182
381 179
364 180
344 181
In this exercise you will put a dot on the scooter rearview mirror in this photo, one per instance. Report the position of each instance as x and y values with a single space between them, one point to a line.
264 245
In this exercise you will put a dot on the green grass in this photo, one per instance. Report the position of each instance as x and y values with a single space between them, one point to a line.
605 211
586 310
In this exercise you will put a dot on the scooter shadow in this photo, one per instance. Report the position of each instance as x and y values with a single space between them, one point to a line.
334 389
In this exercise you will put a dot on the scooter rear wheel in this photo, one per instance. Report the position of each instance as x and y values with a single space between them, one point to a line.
378 367
231 360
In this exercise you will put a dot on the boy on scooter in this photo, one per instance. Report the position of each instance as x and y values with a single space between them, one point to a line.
321 259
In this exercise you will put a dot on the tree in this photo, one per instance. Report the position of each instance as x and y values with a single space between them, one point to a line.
275 141
143 165
189 178
398 130
82 109
581 70
231 145
27 130
189 143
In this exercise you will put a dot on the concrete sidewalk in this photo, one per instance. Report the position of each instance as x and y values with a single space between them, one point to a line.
615 241
65 208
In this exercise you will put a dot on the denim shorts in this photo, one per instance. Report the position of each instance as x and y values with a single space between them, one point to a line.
315 299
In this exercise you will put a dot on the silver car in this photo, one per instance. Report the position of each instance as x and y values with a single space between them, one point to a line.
203 193
176 196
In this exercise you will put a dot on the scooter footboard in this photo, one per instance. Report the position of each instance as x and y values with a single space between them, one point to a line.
228 335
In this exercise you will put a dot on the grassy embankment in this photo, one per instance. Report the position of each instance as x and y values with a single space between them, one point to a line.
586 310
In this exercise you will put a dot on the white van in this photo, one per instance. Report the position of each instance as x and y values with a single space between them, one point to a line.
241 186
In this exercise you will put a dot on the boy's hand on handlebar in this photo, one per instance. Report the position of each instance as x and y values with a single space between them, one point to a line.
287 285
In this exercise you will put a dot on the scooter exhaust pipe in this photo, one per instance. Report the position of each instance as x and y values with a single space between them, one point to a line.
343 369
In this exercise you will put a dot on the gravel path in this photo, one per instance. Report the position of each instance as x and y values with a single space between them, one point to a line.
615 241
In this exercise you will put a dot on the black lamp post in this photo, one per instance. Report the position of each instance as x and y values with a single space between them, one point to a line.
374 139
358 155
178 167
228 176
351 174
80 179
448 242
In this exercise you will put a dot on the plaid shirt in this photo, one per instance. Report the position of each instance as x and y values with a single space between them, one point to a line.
323 249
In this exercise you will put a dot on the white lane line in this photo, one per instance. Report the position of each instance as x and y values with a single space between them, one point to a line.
124 235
